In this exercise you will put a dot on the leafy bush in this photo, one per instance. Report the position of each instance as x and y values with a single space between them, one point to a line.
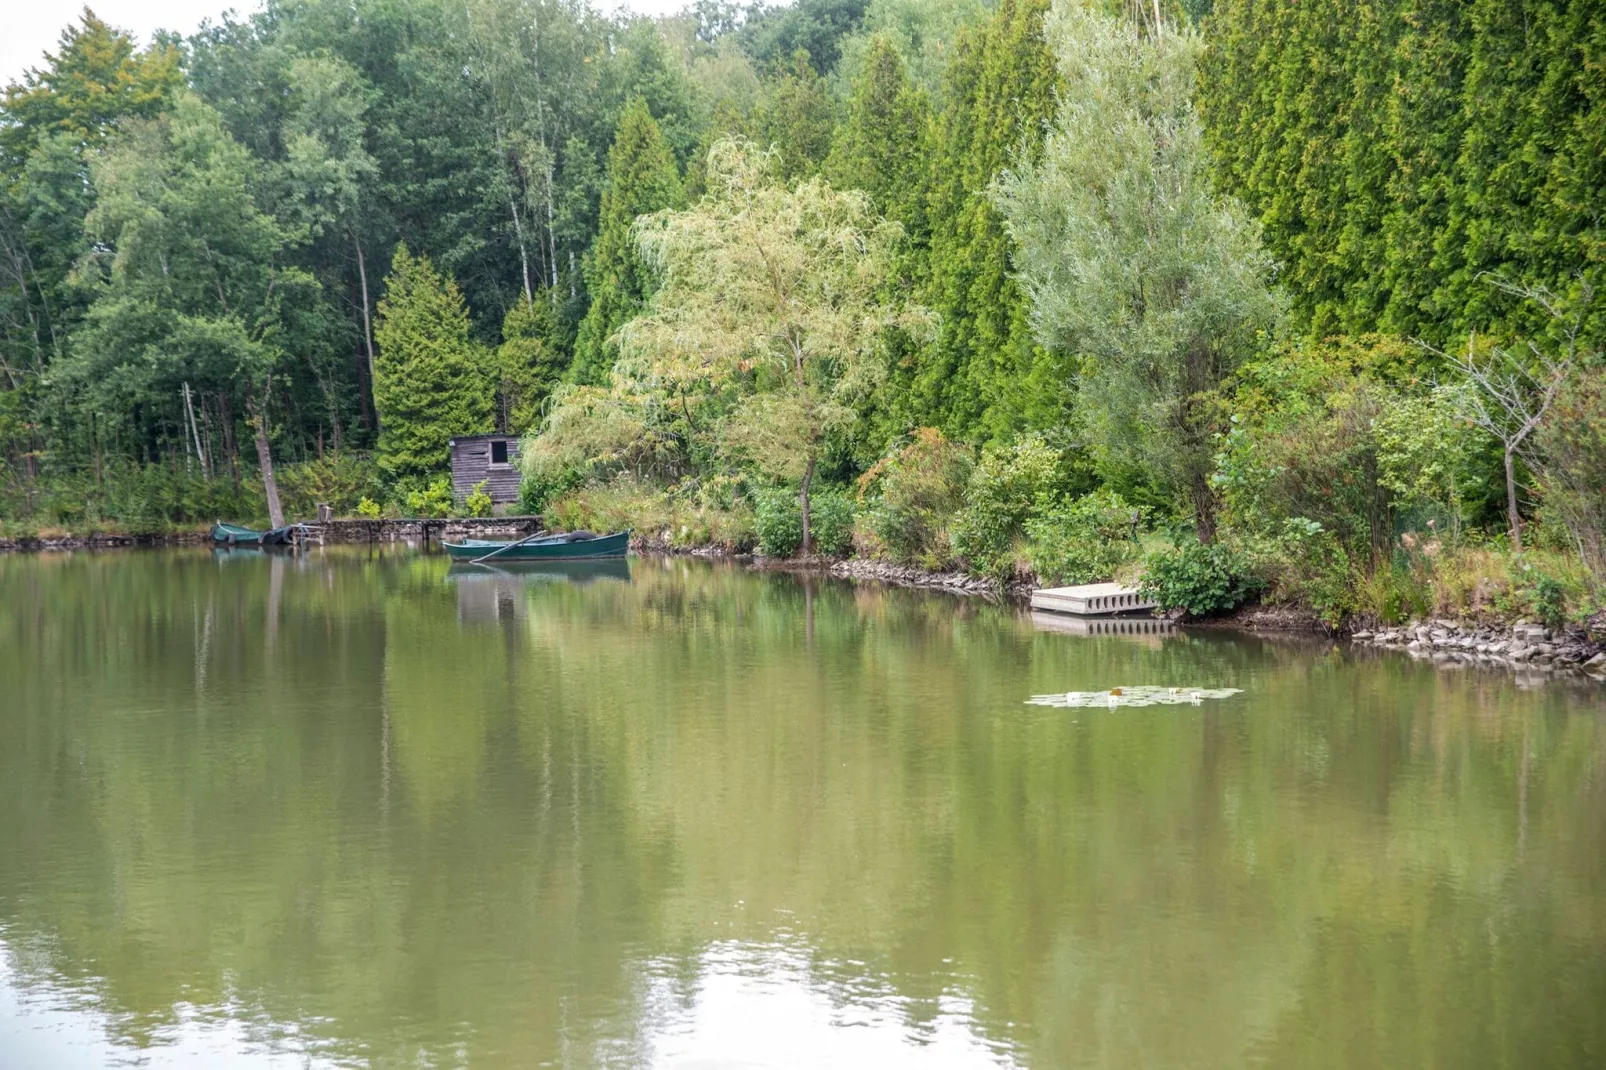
674 516
1004 491
368 509
1082 541
831 522
1199 579
914 494
1308 566
541 485
341 479
779 521
478 503
429 500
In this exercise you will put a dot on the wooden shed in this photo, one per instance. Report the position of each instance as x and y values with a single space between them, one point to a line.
489 459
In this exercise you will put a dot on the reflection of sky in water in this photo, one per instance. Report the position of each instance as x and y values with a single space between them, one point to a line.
744 1005
47 1024
770 1006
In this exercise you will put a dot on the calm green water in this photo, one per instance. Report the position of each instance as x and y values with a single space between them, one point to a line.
354 810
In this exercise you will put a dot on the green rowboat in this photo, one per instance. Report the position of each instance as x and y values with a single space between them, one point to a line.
575 546
235 535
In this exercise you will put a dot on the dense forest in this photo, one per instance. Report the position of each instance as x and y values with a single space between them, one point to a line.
1296 300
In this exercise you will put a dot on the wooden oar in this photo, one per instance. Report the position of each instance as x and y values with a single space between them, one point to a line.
504 549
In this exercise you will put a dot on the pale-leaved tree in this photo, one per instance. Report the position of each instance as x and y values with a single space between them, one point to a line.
778 291
1134 263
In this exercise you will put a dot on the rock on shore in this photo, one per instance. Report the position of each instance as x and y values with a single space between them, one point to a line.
1521 645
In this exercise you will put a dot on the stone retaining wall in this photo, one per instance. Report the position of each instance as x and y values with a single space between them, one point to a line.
1522 645
452 530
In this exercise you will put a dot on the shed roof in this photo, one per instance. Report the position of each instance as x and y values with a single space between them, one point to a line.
455 439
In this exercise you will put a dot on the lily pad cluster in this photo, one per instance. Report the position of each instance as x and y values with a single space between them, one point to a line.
1117 697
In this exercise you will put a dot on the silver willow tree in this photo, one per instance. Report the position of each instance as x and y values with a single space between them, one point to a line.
1134 263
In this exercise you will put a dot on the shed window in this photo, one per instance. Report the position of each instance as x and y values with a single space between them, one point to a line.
499 452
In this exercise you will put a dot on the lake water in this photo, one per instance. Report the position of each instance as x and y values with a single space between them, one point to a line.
358 810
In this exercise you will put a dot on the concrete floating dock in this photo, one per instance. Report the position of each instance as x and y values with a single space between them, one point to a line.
1092 600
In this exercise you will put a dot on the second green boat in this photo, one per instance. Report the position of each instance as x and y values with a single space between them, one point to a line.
574 546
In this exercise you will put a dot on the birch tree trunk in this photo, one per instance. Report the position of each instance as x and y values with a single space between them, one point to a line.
367 329
270 486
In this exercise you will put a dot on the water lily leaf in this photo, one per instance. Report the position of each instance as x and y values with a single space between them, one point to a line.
1142 695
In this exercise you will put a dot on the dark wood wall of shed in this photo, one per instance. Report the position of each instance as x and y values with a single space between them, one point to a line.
471 464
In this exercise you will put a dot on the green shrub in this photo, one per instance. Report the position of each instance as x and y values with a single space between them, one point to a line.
1199 579
1307 566
478 503
340 479
1005 489
1082 541
540 487
831 522
914 494
368 509
429 500
779 522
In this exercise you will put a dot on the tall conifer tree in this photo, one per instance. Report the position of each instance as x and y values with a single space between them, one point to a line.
881 145
641 178
430 379
979 378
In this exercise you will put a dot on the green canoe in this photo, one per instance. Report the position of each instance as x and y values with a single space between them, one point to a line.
235 535
574 546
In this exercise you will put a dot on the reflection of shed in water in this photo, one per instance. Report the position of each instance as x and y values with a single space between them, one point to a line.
489 598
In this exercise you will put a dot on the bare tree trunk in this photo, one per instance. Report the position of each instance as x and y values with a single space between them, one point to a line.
808 477
524 256
1513 517
270 486
367 329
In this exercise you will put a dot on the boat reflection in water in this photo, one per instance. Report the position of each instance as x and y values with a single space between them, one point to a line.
494 592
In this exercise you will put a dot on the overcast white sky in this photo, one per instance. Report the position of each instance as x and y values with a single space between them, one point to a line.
31 27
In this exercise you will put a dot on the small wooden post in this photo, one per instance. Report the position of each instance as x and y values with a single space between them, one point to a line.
326 512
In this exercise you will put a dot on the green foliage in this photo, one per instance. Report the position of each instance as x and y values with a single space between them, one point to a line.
1199 579
983 375
772 295
343 480
95 80
1132 259
1005 488
1396 152
1306 565
431 382
1082 541
831 519
881 146
911 497
530 360
642 179
682 516
796 119
779 522
774 35
1573 438
426 498
922 31
369 509
538 488
478 502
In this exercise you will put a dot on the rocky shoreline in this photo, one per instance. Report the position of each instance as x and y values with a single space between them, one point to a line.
1523 645
103 541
